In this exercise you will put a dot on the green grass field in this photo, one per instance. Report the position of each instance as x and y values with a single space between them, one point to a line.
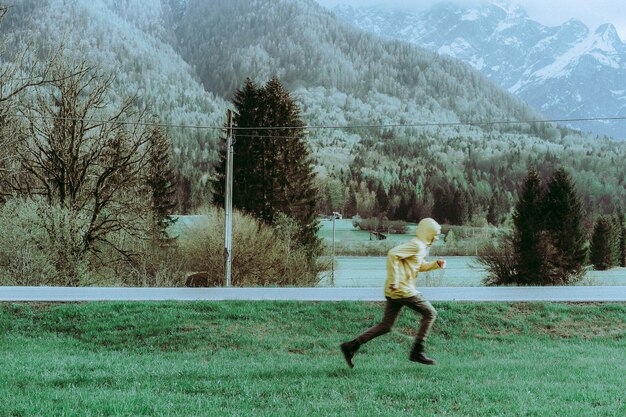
282 358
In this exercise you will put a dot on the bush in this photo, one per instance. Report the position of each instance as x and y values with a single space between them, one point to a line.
498 257
261 255
41 244
364 247
383 225
370 224
397 226
156 266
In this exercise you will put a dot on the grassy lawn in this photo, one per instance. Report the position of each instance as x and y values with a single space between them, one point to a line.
282 358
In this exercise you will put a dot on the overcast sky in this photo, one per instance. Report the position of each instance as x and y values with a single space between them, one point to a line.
547 12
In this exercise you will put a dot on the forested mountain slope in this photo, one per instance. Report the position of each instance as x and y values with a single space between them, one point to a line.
564 71
129 39
443 138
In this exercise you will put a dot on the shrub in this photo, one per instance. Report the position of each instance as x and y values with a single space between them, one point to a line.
41 244
261 255
498 257
384 225
370 224
364 247
156 266
397 226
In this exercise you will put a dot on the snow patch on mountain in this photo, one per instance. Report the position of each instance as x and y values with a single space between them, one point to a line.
471 15
566 71
502 26
458 46
596 45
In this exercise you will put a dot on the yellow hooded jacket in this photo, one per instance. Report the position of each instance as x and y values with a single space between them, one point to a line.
406 260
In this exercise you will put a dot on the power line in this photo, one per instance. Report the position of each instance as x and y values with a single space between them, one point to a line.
101 121
328 127
436 124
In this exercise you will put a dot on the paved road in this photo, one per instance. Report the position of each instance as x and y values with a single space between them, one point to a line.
460 271
562 294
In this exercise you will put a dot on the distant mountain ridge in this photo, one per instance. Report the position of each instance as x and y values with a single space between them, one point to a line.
425 119
565 71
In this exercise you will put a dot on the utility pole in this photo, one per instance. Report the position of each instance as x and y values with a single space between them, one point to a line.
332 255
228 200
332 262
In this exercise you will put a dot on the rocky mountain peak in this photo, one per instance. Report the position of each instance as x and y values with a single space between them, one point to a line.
563 71
608 33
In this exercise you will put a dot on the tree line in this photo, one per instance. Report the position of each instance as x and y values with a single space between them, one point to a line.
547 243
468 179
334 82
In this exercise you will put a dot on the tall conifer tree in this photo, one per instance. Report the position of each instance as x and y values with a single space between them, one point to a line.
563 219
350 207
272 167
617 237
601 255
529 240
382 200
246 187
162 182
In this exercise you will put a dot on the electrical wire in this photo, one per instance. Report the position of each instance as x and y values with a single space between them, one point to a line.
121 122
438 124
325 127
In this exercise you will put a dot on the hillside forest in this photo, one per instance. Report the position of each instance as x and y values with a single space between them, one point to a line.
113 116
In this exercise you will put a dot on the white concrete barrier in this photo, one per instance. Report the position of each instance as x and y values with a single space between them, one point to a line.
74 294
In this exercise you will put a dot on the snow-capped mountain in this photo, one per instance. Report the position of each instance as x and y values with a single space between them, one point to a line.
565 72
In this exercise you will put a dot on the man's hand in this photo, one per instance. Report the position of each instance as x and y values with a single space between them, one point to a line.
441 263
393 287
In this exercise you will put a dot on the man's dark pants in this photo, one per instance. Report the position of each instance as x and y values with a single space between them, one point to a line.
392 311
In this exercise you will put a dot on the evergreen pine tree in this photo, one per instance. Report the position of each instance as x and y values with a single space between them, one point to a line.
563 220
460 208
528 238
289 164
246 187
350 207
412 214
622 245
441 208
402 212
272 167
470 204
184 194
492 217
382 200
162 183
601 255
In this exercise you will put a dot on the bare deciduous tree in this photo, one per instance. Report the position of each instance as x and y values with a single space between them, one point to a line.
22 70
83 156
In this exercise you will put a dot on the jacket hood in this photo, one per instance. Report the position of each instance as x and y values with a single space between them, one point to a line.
426 229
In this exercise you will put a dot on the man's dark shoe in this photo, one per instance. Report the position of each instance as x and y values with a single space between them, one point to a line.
418 355
348 349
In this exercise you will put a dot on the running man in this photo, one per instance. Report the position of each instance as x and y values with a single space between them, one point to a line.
403 264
